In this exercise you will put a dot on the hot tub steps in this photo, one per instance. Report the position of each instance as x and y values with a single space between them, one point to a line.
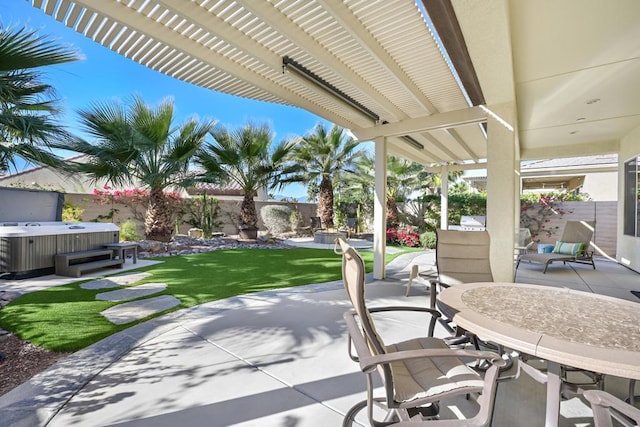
73 264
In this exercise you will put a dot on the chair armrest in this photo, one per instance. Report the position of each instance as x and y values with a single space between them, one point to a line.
434 313
601 401
368 362
434 283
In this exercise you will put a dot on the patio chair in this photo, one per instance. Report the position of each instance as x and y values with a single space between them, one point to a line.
572 247
606 408
349 227
461 257
416 373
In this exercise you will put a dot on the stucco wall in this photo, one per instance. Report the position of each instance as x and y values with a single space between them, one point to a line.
601 186
230 207
628 252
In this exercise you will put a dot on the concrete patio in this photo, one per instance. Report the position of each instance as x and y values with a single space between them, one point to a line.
274 358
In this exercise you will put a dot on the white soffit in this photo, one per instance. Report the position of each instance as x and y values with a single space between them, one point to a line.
378 52
555 58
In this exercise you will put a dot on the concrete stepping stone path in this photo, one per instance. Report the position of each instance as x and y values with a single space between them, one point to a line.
115 281
136 310
132 292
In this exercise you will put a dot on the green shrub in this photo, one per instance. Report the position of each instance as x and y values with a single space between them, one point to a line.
71 212
277 218
428 239
459 205
129 231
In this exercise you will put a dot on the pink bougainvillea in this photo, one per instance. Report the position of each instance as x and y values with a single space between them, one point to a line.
136 199
405 236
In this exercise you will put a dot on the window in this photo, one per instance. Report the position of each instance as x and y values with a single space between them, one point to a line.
632 197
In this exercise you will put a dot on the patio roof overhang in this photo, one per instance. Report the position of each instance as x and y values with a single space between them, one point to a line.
381 55
572 67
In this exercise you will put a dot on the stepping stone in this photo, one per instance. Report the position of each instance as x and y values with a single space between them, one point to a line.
115 281
133 292
100 284
129 278
136 310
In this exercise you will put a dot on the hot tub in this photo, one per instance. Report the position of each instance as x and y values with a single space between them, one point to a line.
28 249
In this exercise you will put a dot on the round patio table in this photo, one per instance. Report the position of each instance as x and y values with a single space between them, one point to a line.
562 326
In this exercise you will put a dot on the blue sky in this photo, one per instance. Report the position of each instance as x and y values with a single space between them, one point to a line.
104 75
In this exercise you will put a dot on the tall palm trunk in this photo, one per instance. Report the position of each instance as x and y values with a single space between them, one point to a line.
325 202
158 223
392 212
248 215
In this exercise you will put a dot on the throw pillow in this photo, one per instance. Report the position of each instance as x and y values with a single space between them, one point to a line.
565 248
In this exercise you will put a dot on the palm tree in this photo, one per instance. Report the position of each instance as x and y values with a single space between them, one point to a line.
246 157
324 155
137 145
27 108
403 179
433 181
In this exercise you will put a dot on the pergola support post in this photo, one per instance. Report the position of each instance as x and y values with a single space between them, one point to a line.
380 208
503 165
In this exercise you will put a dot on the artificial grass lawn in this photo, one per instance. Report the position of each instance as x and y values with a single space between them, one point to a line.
67 318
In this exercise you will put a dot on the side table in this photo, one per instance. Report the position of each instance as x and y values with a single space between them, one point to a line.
121 248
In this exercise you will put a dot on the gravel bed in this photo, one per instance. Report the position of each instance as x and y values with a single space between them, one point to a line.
20 361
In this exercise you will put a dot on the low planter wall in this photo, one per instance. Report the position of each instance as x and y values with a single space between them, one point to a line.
328 237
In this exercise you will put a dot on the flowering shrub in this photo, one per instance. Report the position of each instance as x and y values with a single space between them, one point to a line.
136 199
537 211
404 236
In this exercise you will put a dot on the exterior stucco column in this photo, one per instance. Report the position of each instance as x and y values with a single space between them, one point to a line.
503 166
380 208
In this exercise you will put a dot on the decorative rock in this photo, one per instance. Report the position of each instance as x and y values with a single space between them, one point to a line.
185 245
136 310
151 246
133 292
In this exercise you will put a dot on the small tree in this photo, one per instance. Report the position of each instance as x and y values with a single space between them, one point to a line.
246 157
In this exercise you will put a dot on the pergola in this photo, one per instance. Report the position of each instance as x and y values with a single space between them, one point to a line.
532 79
